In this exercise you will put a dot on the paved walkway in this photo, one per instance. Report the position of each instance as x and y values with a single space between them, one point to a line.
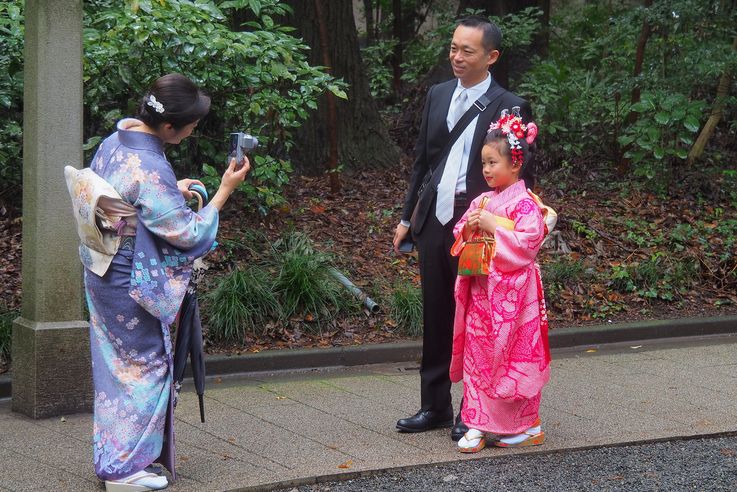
272 428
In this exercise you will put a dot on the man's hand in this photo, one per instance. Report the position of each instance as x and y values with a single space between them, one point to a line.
400 235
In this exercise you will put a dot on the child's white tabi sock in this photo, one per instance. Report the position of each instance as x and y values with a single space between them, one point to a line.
518 438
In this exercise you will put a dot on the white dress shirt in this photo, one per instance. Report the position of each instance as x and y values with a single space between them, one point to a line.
473 93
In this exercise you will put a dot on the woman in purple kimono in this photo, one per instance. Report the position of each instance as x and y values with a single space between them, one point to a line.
134 296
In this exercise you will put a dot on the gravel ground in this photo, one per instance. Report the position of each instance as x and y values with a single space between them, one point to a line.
700 464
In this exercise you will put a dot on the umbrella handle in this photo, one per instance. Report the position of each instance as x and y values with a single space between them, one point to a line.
200 193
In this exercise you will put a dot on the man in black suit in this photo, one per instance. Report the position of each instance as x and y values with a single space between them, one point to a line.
475 47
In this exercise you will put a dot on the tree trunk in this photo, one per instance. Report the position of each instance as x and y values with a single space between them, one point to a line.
639 60
362 137
716 115
624 163
331 121
368 8
398 48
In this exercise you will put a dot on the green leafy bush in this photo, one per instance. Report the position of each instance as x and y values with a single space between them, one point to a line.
11 96
663 133
657 277
405 308
259 80
581 91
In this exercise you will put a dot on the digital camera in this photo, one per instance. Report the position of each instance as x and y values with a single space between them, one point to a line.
240 145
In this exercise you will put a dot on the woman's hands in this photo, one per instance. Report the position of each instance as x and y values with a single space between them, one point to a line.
184 184
232 178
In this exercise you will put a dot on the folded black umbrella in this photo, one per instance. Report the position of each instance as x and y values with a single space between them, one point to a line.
189 345
189 329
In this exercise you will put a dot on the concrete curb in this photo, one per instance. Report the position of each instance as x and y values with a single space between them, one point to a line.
279 360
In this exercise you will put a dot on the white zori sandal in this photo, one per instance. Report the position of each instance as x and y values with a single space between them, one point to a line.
534 436
472 441
138 482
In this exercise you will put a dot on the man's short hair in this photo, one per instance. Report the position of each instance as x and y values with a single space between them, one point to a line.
492 37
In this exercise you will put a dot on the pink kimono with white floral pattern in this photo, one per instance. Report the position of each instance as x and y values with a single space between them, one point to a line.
500 340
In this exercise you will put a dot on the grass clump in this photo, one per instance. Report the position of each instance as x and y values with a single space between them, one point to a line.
405 308
243 302
6 330
289 282
304 283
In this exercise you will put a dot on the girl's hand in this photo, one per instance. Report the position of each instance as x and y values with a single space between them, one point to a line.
487 222
184 184
232 178
472 225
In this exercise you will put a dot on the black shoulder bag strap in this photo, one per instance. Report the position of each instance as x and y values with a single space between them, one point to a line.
436 171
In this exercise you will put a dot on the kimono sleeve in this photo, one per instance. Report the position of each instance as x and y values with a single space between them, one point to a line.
164 212
518 248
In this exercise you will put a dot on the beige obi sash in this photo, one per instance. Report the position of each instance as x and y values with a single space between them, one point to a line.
102 216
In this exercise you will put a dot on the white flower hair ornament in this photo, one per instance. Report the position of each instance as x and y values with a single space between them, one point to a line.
156 105
512 127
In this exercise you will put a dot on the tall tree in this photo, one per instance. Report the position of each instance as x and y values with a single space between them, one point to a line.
362 137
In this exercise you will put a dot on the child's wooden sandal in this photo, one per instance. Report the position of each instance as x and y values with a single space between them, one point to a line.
468 444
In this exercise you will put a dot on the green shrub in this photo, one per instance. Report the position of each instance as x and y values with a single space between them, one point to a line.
405 308
242 303
581 92
657 277
304 283
259 80
11 95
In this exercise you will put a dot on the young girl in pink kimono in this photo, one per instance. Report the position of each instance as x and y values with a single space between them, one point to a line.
500 341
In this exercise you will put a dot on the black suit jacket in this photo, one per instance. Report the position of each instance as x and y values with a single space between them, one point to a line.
434 135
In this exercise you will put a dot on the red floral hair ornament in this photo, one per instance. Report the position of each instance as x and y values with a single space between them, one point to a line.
514 129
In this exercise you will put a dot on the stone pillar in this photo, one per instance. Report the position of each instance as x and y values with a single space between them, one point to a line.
51 355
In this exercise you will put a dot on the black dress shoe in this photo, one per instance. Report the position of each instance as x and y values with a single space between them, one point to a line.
459 429
425 420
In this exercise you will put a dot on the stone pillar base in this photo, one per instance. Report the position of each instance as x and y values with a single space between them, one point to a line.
51 368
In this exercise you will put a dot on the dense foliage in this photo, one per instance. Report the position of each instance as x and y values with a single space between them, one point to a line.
258 78
11 96
581 91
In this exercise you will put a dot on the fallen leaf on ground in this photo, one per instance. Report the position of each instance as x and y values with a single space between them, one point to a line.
347 464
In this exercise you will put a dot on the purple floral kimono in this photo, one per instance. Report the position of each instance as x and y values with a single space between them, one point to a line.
132 305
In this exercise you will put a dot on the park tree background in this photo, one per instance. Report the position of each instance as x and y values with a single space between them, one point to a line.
636 102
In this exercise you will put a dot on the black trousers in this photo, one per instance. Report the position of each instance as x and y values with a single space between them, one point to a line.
438 271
